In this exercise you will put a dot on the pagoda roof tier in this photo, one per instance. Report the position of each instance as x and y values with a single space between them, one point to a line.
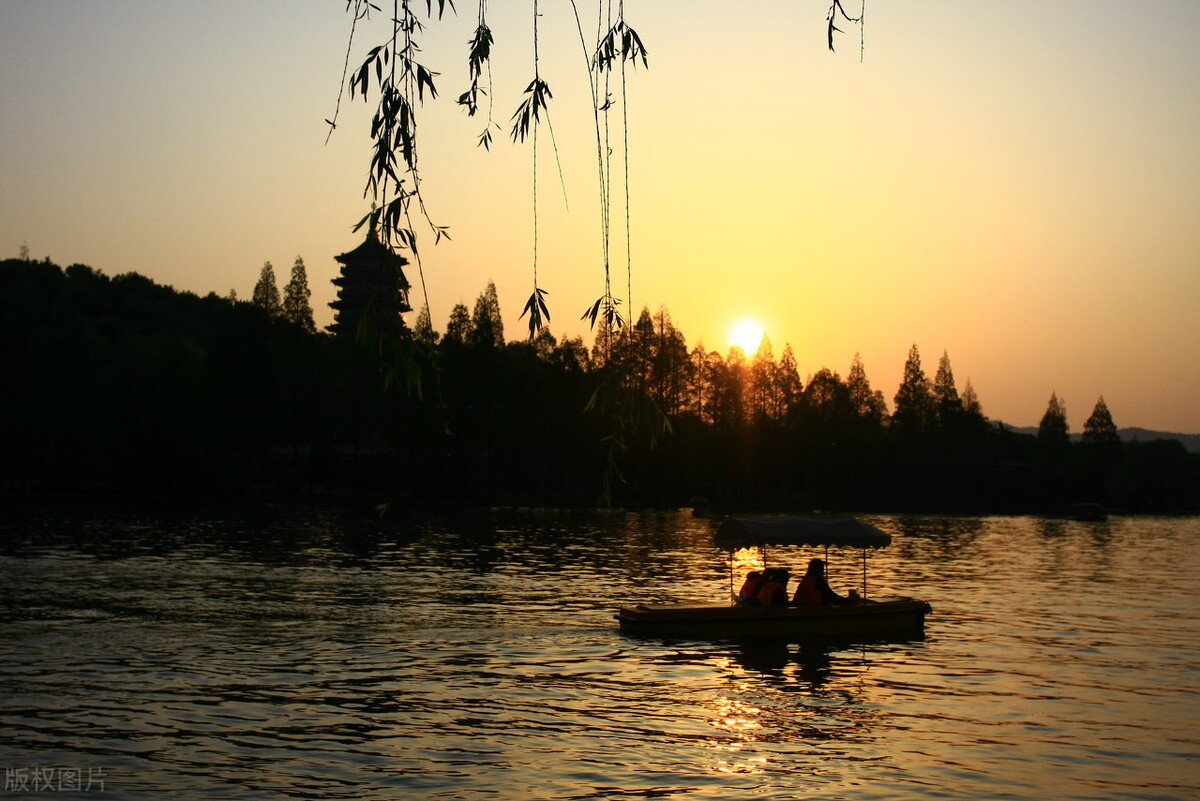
373 255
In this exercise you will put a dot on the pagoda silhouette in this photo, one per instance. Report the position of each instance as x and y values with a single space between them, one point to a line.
372 292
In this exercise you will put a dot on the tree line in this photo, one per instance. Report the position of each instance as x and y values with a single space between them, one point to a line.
121 385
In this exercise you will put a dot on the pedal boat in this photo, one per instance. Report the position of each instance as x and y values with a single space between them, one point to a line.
883 618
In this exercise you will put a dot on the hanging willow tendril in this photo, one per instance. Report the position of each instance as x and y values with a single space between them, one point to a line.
392 71
479 58
616 44
525 123
402 83
837 11
620 399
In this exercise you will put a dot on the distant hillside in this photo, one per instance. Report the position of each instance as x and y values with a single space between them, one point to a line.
1190 441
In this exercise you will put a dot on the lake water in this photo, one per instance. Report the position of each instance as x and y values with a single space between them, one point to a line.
325 654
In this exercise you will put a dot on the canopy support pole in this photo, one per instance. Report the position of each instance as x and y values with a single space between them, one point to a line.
864 593
731 595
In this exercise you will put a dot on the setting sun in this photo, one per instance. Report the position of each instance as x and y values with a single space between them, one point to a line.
747 334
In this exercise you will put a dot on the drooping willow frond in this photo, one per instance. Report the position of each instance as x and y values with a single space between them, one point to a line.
623 41
538 311
605 309
837 11
479 61
529 113
392 72
481 48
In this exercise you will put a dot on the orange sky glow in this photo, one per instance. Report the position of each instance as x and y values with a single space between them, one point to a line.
1017 184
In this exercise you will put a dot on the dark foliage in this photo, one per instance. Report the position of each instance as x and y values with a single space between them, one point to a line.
122 386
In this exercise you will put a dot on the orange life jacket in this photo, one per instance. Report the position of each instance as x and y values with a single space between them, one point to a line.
807 594
773 593
751 587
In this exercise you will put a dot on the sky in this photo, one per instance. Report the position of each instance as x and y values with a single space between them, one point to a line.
1014 184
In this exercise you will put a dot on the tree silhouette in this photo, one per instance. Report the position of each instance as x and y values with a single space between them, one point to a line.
423 328
296 308
1054 462
868 404
124 385
256 392
828 398
487 326
914 398
1053 427
910 431
266 293
790 385
946 402
970 401
572 356
605 341
1101 468
697 397
671 370
764 384
727 389
544 344
1100 428
868 428
458 326
633 351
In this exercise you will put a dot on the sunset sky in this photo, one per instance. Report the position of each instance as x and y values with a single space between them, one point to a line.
1015 183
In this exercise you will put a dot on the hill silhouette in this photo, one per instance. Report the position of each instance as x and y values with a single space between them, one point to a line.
1134 434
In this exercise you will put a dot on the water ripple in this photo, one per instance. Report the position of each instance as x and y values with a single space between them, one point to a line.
311 655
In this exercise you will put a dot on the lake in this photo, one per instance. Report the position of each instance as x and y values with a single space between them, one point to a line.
323 653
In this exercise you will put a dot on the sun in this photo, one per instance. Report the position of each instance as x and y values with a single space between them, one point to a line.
747 333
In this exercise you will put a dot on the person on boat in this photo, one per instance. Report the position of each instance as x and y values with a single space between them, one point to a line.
774 590
748 594
814 590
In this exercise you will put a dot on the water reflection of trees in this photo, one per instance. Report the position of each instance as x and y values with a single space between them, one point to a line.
949 537
1100 532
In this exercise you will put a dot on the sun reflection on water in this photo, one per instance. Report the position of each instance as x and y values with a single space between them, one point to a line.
736 718
742 562
739 725
465 671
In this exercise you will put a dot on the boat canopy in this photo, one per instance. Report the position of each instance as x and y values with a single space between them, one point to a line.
748 532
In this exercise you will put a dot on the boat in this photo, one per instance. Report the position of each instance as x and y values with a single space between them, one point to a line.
865 619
